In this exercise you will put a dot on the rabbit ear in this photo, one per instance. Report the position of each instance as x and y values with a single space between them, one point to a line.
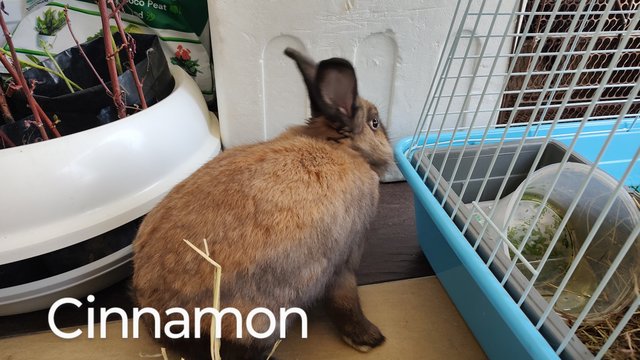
332 87
308 69
338 89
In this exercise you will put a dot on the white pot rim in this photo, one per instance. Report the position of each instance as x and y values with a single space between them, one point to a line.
66 190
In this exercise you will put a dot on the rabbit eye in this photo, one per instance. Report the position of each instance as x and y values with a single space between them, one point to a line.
374 123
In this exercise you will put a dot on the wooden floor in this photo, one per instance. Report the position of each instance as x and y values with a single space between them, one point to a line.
392 251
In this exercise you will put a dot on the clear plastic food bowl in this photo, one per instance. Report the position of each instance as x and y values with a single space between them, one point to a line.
604 244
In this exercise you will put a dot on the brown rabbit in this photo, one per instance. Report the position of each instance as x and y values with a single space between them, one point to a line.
284 218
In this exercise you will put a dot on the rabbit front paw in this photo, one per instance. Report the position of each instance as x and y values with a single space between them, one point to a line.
364 338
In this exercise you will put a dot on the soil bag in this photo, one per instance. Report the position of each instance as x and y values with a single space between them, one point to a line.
92 106
181 25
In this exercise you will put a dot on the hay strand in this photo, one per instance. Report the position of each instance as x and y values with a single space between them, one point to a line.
273 350
627 344
215 342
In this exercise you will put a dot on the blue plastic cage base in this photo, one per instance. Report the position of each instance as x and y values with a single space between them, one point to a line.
487 308
500 326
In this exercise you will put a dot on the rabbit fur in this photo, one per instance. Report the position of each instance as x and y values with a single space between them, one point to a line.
284 218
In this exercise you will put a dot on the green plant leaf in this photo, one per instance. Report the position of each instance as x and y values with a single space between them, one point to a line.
50 22
33 59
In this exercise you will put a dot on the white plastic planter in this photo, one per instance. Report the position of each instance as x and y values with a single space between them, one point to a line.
62 192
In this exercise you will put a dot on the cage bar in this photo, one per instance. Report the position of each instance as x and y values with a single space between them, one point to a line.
521 86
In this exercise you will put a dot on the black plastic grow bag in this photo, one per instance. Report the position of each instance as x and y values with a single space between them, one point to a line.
90 107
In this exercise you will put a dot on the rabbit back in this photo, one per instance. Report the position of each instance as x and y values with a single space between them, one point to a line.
281 218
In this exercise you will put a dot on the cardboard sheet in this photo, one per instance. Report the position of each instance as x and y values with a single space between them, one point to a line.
416 316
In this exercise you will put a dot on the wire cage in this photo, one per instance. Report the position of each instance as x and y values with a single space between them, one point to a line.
525 171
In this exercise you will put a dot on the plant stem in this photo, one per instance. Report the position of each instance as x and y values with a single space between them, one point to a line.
84 55
116 54
119 8
130 52
44 116
17 71
44 46
5 141
44 68
14 74
6 112
111 63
